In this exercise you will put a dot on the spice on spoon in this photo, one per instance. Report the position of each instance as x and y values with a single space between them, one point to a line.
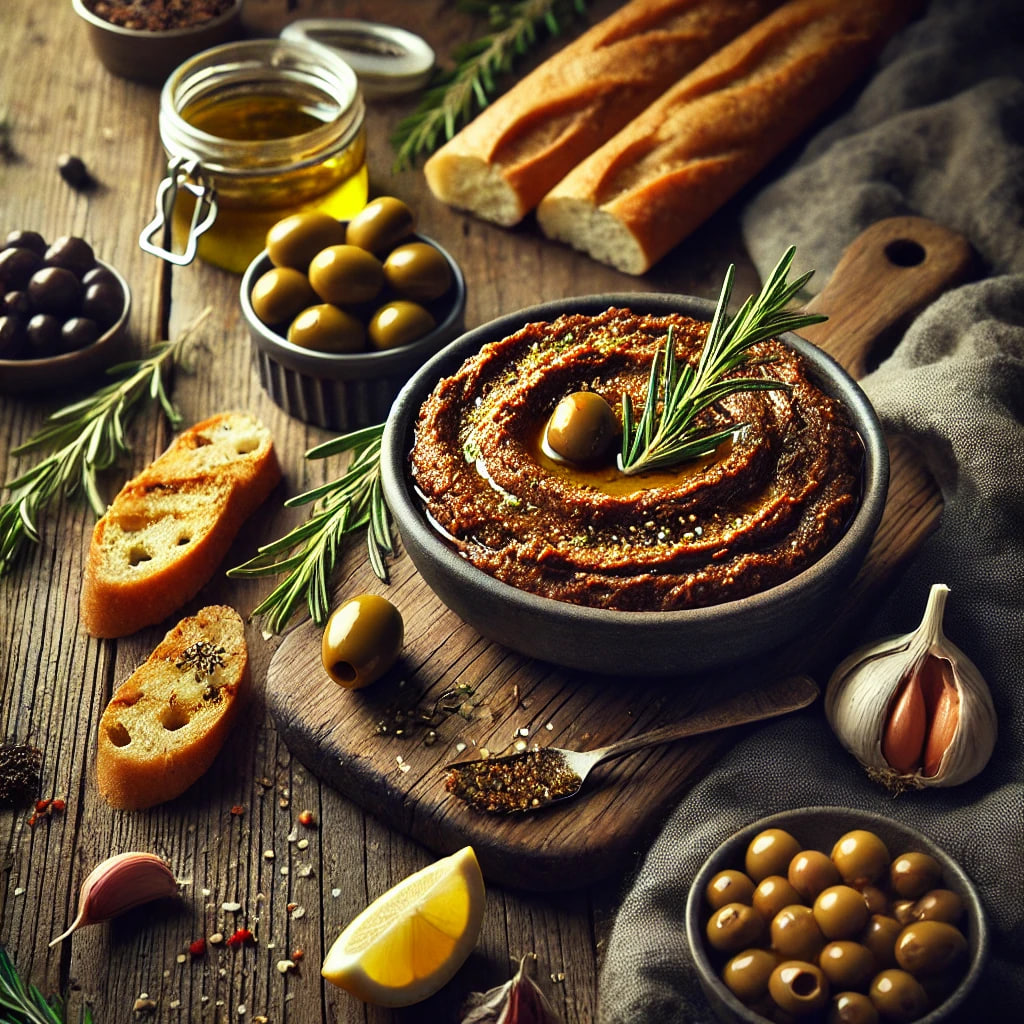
510 785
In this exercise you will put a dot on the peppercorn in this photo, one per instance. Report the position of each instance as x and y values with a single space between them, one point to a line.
73 170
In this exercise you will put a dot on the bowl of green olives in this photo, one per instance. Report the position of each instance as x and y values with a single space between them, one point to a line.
831 915
63 312
341 313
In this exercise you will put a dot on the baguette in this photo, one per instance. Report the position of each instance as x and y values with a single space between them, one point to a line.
169 528
647 188
502 163
169 719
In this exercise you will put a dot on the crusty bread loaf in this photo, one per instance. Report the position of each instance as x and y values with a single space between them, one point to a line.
169 528
648 187
502 163
170 717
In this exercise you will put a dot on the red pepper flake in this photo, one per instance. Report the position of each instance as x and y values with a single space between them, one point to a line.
237 810
32 820
57 805
307 819
297 954
197 948
290 907
42 805
240 938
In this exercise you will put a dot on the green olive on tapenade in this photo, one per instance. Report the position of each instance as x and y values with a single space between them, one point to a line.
418 271
362 640
295 240
399 323
380 225
325 328
279 295
582 428
346 275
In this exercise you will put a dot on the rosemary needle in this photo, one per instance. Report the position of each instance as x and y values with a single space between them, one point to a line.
84 438
26 1002
667 432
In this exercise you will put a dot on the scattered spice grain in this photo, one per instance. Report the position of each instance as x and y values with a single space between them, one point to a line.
158 15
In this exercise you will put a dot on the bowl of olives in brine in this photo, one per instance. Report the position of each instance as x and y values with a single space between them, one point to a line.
342 312
835 916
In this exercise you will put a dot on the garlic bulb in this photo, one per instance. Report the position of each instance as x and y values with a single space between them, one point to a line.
914 709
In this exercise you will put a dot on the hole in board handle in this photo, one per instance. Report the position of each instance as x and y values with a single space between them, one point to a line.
904 252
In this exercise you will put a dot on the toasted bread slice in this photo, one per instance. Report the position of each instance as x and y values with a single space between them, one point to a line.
170 717
169 528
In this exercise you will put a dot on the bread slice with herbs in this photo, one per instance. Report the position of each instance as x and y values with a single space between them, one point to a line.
168 720
169 528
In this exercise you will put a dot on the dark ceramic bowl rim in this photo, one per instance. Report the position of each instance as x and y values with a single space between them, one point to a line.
314 363
729 853
155 34
410 519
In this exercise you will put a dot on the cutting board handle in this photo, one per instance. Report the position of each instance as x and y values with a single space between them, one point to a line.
886 276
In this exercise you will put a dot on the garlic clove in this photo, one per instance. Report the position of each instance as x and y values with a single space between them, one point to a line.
118 884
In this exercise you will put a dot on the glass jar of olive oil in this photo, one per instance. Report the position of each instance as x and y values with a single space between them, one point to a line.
255 131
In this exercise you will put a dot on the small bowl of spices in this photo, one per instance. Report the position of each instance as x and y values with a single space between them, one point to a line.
145 40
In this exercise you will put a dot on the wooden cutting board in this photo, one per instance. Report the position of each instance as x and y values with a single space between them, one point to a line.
373 745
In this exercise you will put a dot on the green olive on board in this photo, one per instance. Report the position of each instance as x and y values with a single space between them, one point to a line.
582 428
852 1008
362 640
325 328
418 271
746 974
898 995
280 294
346 275
798 987
841 912
769 853
399 323
295 240
380 225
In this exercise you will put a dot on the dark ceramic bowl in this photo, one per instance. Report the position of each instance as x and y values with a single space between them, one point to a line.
149 57
617 642
18 376
345 392
818 828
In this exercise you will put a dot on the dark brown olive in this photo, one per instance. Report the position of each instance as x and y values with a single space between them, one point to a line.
103 302
17 266
325 328
734 927
17 303
97 274
728 886
769 853
880 937
362 640
795 934
811 872
399 323
13 341
746 974
912 874
71 253
77 333
903 911
898 996
73 170
847 965
43 335
772 894
939 905
852 1008
798 987
279 295
418 271
841 912
380 225
295 240
861 857
582 429
22 239
346 275
929 947
55 290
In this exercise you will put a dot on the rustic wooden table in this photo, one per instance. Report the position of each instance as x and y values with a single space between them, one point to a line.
55 681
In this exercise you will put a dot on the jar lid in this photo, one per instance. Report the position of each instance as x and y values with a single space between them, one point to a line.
388 61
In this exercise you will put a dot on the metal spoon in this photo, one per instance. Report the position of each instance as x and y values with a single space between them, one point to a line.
532 779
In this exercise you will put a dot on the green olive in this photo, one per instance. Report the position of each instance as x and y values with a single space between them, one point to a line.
418 271
939 905
841 912
295 240
798 987
912 874
880 937
728 886
772 894
346 275
795 934
362 640
380 225
746 974
903 911
861 857
325 328
929 947
399 323
811 872
280 294
582 428
898 996
852 1008
877 899
847 965
734 927
769 853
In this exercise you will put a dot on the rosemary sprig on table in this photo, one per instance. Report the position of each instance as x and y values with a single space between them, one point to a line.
456 95
82 440
667 432
309 553
25 1004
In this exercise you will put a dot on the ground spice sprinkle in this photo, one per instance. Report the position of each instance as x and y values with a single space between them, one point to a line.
515 784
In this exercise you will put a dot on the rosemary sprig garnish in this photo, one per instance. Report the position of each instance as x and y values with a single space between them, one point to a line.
25 1004
456 95
667 433
309 553
83 439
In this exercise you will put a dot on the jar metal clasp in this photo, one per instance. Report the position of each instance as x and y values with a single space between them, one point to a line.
184 175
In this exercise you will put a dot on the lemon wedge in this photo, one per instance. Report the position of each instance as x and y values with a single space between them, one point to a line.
411 940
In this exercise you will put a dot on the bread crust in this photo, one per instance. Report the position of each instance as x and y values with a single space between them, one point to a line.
649 186
169 528
168 720
502 163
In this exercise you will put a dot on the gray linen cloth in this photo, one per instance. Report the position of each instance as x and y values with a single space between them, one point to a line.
938 131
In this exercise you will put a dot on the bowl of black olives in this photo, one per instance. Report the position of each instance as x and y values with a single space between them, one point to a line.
825 914
63 312
341 313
